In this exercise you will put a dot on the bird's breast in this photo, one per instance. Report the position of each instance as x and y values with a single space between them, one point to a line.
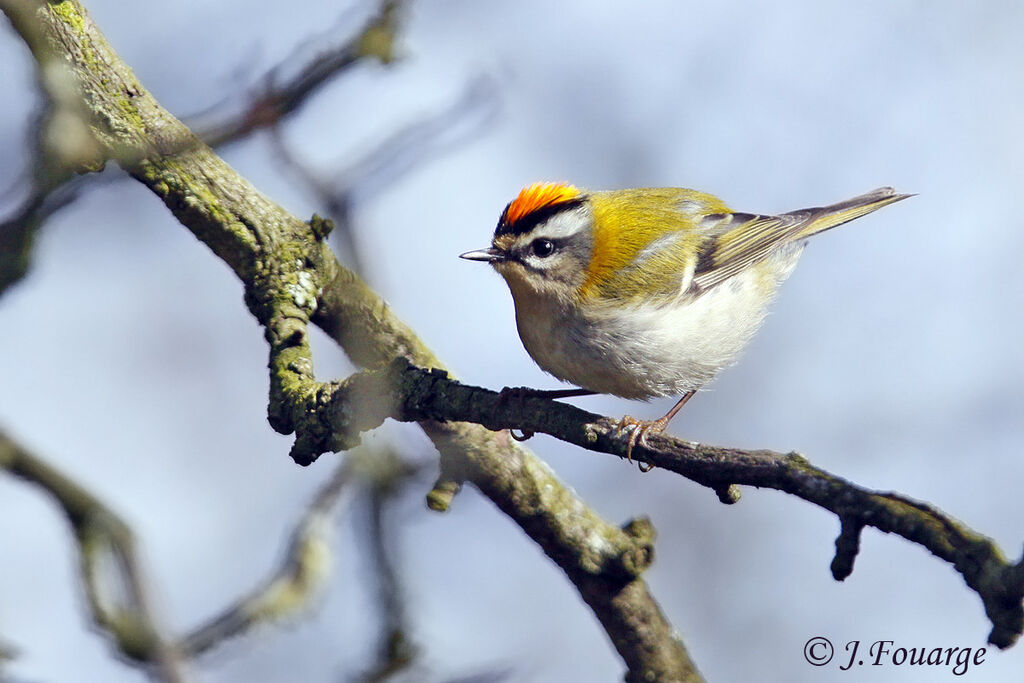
645 350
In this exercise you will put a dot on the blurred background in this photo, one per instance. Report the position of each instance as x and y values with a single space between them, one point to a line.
892 357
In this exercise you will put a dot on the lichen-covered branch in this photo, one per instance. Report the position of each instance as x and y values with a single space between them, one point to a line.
291 277
62 146
416 394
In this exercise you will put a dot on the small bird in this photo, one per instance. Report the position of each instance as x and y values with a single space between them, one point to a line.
646 292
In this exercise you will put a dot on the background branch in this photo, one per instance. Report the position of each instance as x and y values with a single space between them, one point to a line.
294 585
61 147
390 159
117 596
114 581
280 98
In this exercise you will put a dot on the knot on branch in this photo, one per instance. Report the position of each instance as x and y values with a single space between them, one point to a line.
331 416
728 494
440 497
379 37
1001 587
321 226
638 554
847 547
616 555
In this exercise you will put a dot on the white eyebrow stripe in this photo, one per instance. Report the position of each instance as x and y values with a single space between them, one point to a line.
560 226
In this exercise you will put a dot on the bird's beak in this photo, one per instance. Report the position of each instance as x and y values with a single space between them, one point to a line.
491 255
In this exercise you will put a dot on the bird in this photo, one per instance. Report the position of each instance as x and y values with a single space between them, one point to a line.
648 292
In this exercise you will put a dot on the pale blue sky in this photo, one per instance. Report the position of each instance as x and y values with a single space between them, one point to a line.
892 358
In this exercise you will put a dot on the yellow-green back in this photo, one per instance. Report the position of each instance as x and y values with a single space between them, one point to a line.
628 222
648 242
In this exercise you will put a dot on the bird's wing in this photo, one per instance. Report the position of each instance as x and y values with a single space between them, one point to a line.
734 241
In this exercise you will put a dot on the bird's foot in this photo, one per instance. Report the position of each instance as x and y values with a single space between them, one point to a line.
638 435
519 393
508 394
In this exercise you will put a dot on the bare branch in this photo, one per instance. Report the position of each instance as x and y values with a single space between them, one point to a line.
296 582
386 473
117 596
390 159
408 393
278 100
62 146
17 233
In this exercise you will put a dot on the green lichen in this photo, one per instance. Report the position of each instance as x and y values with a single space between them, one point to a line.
69 14
378 42
129 114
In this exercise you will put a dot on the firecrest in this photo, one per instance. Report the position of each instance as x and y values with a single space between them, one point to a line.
646 292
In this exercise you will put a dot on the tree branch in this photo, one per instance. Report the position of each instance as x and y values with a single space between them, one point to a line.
407 393
291 277
295 583
389 159
62 146
118 600
278 100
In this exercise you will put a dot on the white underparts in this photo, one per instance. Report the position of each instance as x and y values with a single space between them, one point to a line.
646 351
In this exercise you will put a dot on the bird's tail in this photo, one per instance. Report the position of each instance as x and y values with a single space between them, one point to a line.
820 219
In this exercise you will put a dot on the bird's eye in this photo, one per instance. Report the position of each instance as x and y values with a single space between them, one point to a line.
542 247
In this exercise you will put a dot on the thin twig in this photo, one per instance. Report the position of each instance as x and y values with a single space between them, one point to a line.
294 585
398 154
118 599
278 100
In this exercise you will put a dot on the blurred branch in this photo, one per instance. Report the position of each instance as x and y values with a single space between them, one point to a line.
17 233
294 585
386 473
8 653
410 147
278 100
114 586
113 579
407 393
397 155
62 146
291 278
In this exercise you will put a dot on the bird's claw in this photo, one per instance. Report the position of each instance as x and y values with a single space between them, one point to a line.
508 394
638 435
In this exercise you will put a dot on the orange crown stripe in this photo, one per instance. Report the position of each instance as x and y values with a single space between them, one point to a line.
537 196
